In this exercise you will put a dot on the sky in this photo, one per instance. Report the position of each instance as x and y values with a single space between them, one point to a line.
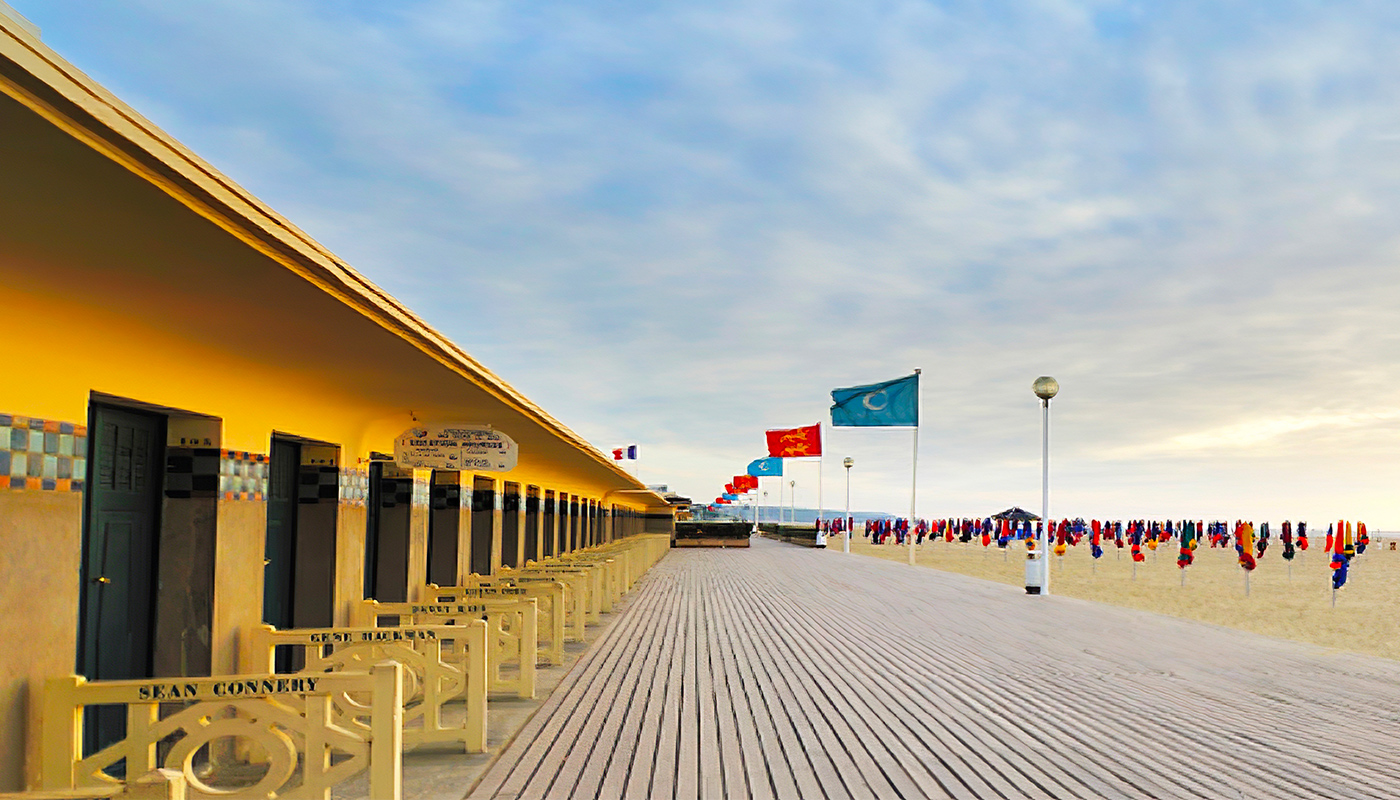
678 224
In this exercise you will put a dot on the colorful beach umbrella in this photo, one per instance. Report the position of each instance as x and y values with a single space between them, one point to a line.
1244 546
1185 556
1339 560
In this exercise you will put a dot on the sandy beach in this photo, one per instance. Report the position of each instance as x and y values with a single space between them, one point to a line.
1296 606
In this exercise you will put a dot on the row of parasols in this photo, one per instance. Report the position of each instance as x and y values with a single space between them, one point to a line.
1345 540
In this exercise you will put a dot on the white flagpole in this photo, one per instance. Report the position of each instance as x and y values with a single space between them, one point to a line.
821 457
914 474
780 501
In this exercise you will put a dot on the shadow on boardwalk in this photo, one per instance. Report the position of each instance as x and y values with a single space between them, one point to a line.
792 673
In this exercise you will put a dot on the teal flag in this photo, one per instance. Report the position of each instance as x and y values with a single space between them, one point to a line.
892 403
766 468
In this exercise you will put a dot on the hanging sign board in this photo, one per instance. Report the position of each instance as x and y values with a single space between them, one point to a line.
471 448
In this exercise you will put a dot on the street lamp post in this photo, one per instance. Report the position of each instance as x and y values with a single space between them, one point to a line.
1045 387
765 498
848 462
792 502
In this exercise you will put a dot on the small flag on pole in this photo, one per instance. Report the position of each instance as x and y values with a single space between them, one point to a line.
766 468
891 403
629 452
795 442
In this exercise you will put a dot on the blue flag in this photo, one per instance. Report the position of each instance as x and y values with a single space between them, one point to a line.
893 402
766 468
730 497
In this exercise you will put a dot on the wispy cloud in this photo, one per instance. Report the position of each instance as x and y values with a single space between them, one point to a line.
1184 211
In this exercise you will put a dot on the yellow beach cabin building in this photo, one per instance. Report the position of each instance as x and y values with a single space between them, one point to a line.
198 417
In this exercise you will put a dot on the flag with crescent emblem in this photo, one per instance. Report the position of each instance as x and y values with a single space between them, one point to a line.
891 403
795 442
766 468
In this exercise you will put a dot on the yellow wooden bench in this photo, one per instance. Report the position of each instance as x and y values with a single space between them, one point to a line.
442 664
512 633
288 719
549 597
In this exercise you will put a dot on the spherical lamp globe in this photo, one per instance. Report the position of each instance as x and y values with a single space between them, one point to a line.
1045 387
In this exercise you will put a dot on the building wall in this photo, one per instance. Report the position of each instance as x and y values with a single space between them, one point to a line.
42 536
236 330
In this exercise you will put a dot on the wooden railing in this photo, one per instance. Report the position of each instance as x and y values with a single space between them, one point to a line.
512 633
550 602
583 586
442 664
288 719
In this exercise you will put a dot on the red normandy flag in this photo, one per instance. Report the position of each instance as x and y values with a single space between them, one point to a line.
795 442
743 483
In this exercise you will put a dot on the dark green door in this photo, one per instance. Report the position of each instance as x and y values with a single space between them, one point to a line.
483 516
532 524
549 532
126 470
444 522
279 550
573 524
510 525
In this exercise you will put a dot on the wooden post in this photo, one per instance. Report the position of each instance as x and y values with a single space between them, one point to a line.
386 728
62 732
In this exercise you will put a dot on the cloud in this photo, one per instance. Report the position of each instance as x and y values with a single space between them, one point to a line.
1182 211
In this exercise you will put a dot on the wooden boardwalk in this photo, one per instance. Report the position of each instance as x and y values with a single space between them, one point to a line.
781 672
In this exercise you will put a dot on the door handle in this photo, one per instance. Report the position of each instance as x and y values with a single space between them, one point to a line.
102 579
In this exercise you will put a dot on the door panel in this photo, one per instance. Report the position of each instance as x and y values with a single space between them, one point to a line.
444 522
483 516
532 524
279 550
549 532
510 525
119 555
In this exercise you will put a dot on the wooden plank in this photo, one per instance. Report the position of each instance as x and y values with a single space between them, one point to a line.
636 751
773 748
734 774
802 758
589 739
649 738
533 744
787 672
615 742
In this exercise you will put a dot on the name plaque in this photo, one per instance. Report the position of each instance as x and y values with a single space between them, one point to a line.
456 446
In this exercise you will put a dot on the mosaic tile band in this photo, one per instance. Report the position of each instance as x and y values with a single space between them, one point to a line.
242 475
42 454
354 486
